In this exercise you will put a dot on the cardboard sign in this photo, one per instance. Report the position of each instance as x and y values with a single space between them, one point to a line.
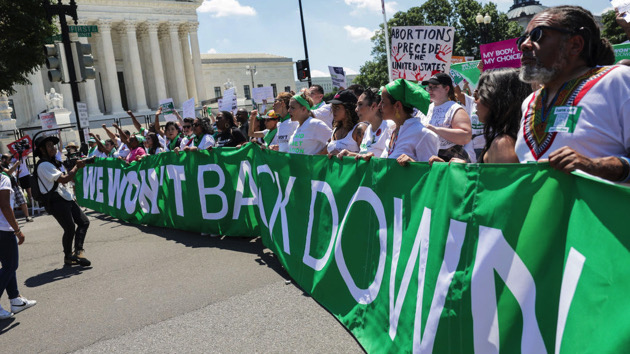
48 120
168 108
263 95
504 54
338 76
421 51
82 112
189 108
26 144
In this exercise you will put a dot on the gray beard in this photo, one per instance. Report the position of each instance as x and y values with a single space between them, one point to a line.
537 74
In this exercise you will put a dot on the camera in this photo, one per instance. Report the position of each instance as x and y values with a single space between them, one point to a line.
89 160
21 146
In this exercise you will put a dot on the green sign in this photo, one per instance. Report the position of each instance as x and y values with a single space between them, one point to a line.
466 71
82 29
622 51
53 39
456 258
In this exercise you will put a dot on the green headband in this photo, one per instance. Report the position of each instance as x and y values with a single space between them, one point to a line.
302 101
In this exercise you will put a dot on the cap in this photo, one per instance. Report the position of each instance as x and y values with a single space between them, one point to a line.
91 140
410 94
271 115
72 145
439 79
138 137
41 140
345 96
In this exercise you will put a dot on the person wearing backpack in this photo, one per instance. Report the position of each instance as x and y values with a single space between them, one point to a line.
59 199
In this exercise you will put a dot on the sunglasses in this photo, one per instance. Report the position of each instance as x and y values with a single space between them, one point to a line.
196 124
186 127
536 34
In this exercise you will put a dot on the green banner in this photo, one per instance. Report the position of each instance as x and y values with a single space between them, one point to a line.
453 258
622 51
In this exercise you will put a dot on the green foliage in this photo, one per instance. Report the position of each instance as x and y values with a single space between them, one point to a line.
612 30
23 31
459 14
330 95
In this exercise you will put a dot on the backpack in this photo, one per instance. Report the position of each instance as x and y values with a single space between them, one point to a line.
37 194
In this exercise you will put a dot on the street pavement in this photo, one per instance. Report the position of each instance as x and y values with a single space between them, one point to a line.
156 290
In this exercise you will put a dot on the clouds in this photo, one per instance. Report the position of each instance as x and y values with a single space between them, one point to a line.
319 73
212 51
372 5
224 8
358 34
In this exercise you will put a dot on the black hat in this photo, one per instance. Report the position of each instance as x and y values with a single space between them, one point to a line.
40 141
439 79
345 96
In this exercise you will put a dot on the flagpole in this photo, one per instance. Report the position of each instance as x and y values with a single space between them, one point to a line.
387 49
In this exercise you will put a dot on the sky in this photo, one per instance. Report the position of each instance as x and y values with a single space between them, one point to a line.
338 32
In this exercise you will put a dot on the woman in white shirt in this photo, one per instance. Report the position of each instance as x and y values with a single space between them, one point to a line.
311 136
447 119
347 134
411 141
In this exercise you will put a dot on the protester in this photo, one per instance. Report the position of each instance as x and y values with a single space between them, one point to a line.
446 118
411 141
242 118
356 89
379 131
286 127
562 49
105 149
134 142
61 203
311 136
17 193
144 132
152 144
625 25
270 121
122 150
187 133
171 133
467 100
72 154
345 124
93 148
202 139
317 95
10 237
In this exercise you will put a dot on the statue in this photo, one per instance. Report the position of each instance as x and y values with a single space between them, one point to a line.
54 100
228 84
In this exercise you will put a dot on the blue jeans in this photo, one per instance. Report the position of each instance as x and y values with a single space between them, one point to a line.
9 259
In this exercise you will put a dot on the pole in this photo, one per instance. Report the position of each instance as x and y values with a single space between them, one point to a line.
305 47
387 49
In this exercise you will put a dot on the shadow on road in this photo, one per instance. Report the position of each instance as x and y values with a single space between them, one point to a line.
7 325
54 275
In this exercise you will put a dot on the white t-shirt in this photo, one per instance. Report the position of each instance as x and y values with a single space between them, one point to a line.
122 151
442 116
161 140
324 113
478 140
186 141
23 169
347 143
309 138
602 128
377 141
47 174
285 130
206 141
5 185
415 141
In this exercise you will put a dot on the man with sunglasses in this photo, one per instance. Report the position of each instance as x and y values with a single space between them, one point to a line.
187 133
580 118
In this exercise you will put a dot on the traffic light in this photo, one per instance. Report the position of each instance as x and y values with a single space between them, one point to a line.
303 70
55 58
85 62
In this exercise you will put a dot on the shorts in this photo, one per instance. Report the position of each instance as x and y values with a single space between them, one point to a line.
25 182
19 196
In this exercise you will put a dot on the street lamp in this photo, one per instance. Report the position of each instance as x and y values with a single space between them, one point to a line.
251 70
484 25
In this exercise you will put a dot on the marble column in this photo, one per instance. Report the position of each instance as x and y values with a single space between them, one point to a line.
129 28
196 59
188 66
167 61
156 60
178 64
111 73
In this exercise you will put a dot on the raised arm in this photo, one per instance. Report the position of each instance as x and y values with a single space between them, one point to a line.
156 123
101 147
110 134
252 123
123 137
136 124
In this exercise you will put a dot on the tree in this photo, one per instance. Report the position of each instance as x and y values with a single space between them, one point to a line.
459 14
23 31
612 30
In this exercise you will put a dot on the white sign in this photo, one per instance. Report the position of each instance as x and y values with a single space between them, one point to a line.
229 101
338 76
48 120
421 51
82 111
263 95
168 107
86 134
189 108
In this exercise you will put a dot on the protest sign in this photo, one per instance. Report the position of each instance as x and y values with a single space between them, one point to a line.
168 108
263 95
229 102
338 76
623 6
21 147
466 71
404 260
622 51
459 59
82 112
189 108
48 120
504 54
421 51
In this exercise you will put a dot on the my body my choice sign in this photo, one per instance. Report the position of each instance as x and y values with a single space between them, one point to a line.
447 259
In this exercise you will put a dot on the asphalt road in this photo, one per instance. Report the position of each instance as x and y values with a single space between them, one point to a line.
154 290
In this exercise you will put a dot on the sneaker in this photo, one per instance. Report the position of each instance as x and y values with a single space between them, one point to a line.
70 260
79 256
29 219
21 303
4 314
